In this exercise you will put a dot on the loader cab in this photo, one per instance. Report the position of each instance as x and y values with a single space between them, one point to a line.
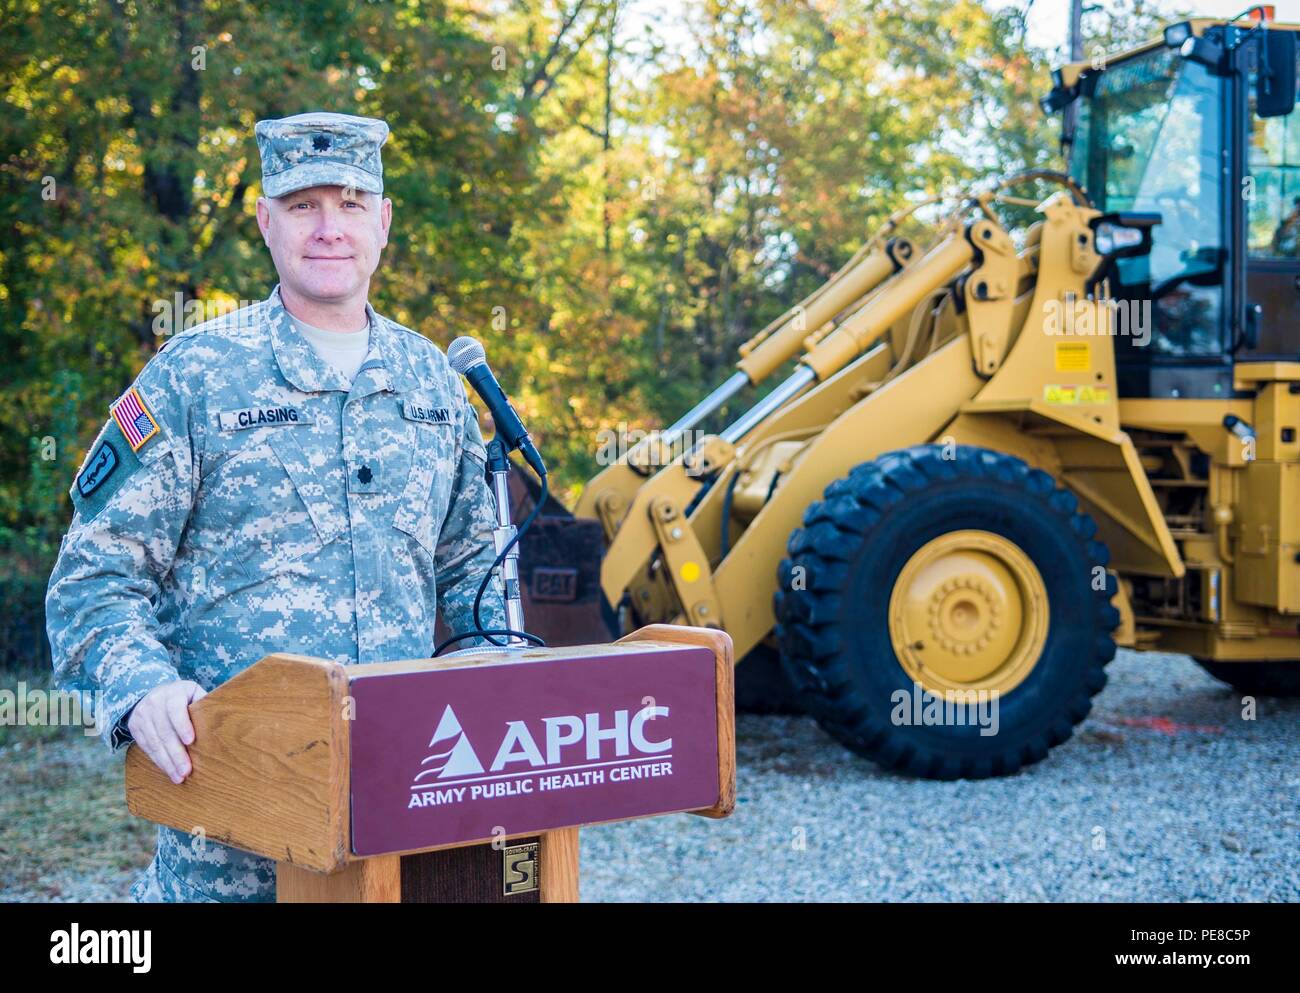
1175 128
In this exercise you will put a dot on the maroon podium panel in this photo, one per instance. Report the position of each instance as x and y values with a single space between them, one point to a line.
509 748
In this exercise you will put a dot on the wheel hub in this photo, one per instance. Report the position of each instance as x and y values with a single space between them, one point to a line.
965 613
968 612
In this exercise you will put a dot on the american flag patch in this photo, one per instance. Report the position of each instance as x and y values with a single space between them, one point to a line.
134 419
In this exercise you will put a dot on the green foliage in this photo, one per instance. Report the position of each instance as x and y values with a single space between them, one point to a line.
610 205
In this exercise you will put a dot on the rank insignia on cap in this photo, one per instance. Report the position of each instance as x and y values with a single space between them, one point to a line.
133 417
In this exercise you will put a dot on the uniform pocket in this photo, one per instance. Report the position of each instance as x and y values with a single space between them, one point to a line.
175 889
327 519
275 505
163 882
209 872
424 501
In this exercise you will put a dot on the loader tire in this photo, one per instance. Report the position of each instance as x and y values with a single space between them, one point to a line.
762 686
1280 678
918 575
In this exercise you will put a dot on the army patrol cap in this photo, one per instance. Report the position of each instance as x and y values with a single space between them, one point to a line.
321 149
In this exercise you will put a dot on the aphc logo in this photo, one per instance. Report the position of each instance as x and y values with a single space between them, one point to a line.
572 750
458 760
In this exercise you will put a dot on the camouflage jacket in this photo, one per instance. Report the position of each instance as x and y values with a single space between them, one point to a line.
243 500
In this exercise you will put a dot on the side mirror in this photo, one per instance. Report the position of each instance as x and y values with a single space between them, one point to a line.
1275 74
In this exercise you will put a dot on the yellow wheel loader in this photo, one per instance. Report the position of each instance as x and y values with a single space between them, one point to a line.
994 452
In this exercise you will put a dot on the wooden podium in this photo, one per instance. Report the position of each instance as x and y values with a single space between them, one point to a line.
451 780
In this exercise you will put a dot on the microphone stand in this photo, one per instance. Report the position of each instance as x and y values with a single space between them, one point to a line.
499 467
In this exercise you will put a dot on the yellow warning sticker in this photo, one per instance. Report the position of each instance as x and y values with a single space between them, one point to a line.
1069 396
1073 356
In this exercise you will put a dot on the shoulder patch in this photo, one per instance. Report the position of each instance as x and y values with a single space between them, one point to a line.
111 464
100 467
135 420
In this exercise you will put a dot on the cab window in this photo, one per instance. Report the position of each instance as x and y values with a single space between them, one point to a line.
1271 191
1151 139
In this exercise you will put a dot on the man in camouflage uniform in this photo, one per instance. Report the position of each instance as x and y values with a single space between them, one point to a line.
248 496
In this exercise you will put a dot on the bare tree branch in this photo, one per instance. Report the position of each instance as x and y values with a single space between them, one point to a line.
542 70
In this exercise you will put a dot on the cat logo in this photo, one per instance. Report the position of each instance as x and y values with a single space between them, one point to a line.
519 869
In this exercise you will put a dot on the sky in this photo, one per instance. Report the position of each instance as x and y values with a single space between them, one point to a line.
1049 20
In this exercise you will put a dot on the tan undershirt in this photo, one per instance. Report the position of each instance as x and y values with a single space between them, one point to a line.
345 350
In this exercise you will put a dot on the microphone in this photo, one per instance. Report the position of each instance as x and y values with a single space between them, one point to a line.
467 357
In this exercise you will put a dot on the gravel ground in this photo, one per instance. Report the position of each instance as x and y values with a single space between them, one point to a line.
1163 794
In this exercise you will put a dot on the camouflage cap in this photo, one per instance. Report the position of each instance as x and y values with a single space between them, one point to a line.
321 149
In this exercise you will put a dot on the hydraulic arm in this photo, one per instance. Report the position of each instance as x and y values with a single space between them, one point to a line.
609 494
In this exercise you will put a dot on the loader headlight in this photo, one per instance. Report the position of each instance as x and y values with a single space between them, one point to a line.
1123 235
1202 50
1178 33
1111 238
1060 96
1238 427
1054 101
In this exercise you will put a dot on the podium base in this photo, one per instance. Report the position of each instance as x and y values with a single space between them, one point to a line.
540 869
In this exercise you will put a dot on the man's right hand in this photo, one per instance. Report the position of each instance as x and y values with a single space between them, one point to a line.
160 724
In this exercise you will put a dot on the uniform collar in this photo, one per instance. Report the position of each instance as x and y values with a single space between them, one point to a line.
386 366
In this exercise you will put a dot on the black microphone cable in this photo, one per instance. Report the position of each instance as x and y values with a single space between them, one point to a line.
491 633
467 357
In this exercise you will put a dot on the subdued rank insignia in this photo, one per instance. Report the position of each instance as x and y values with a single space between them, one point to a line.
519 868
133 417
